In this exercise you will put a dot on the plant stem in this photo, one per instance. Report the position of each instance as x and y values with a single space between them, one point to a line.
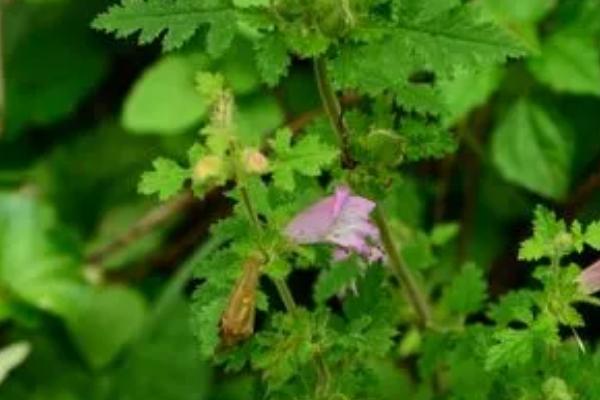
334 111
285 294
402 272
332 107
282 288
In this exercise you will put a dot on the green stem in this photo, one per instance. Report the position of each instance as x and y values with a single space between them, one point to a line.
402 272
282 288
334 110
286 295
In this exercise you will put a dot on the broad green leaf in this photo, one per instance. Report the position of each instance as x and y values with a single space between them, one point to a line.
32 266
164 101
52 69
569 63
165 365
104 321
272 59
468 90
533 148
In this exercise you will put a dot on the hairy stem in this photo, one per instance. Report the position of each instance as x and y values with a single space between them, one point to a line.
282 288
286 295
402 272
332 107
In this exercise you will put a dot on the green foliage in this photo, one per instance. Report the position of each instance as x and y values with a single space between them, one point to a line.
171 78
533 148
179 18
434 113
467 292
166 179
307 157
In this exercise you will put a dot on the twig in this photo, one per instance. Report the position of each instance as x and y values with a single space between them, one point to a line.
141 228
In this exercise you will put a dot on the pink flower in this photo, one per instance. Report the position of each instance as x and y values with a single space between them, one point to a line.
590 278
342 220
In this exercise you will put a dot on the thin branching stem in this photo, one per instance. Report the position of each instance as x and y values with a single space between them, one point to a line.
282 288
402 271
333 108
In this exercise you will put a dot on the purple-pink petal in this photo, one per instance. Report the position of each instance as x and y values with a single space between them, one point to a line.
340 219
590 278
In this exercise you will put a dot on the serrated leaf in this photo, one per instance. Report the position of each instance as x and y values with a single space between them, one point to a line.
308 157
467 292
592 235
333 280
166 179
514 306
426 141
513 347
272 59
546 229
179 18
533 148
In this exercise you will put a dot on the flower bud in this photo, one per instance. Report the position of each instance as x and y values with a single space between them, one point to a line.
255 162
207 167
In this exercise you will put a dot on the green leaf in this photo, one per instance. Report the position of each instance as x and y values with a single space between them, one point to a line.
556 389
105 321
467 292
533 148
513 306
146 108
333 280
272 59
524 11
179 18
443 233
47 81
11 357
442 43
308 157
456 38
592 235
426 140
569 63
50 280
166 180
143 374
513 347
551 238
468 90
